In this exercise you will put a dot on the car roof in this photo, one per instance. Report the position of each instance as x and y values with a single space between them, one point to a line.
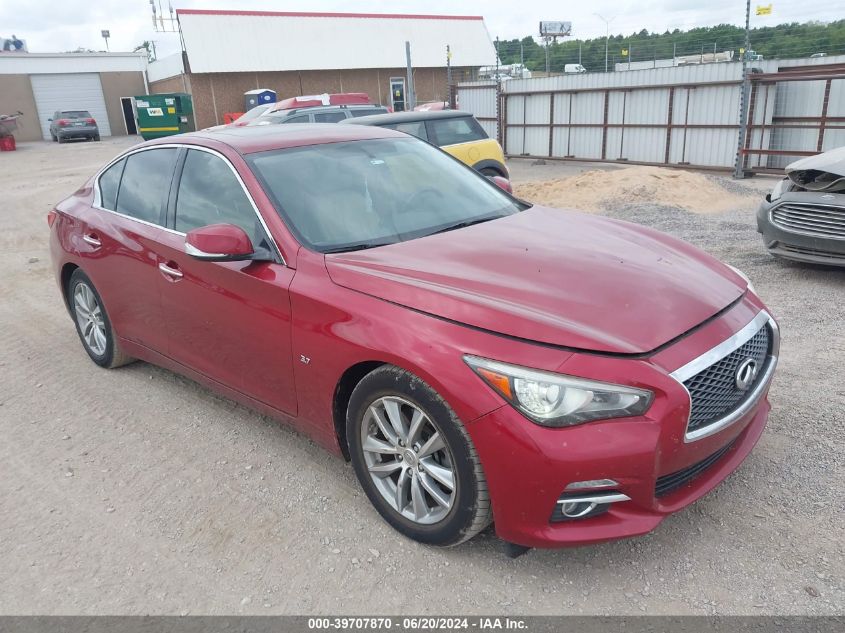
282 112
407 117
247 140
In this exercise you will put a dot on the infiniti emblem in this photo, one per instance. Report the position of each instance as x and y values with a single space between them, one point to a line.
746 373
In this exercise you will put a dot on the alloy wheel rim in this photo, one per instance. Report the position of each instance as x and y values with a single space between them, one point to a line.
89 317
408 460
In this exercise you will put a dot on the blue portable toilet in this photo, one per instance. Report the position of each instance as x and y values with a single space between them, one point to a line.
259 96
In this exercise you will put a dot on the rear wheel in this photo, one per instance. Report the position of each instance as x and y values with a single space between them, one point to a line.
490 172
93 324
96 137
415 460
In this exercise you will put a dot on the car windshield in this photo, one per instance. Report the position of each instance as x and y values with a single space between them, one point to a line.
361 194
257 111
76 114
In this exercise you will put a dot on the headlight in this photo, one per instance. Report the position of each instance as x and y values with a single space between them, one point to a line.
744 276
781 188
557 400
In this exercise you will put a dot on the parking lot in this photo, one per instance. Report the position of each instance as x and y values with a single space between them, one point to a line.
136 491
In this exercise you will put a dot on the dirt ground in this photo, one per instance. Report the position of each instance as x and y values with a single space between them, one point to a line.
135 491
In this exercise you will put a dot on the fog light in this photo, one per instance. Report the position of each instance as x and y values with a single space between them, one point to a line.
576 509
580 506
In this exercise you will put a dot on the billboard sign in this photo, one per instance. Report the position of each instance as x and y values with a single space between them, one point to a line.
555 29
12 45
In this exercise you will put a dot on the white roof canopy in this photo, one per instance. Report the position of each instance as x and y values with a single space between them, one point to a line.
255 41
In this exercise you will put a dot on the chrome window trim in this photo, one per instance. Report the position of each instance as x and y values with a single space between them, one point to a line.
797 231
714 355
97 203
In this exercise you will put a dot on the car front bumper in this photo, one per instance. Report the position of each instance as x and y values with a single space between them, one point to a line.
529 467
802 245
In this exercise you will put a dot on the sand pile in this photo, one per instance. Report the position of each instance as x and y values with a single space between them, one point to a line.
596 190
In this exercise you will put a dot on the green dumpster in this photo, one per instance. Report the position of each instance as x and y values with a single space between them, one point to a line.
164 114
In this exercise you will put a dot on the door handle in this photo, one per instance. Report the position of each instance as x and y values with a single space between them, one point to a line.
174 273
92 239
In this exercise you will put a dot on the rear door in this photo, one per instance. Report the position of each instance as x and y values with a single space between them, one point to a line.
120 239
230 321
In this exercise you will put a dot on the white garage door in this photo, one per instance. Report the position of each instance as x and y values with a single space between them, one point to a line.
73 91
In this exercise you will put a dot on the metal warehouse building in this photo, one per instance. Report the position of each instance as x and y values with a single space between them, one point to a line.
227 53
38 84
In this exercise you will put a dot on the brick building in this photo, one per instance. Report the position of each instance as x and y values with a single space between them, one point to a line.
227 53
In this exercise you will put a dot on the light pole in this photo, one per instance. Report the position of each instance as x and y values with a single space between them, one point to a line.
606 37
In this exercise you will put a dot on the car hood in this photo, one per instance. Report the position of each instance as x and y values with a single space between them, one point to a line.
822 172
551 276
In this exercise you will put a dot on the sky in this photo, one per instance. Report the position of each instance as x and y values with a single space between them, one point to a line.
64 25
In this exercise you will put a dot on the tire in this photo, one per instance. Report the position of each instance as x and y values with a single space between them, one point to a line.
53 137
461 512
60 139
95 138
83 298
490 172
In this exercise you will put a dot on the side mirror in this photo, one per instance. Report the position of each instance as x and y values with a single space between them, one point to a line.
502 183
219 243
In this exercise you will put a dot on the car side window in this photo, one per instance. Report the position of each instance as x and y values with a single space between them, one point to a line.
299 118
209 193
356 112
109 184
145 183
329 117
414 128
454 131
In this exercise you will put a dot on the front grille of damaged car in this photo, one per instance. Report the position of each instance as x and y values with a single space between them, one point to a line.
819 220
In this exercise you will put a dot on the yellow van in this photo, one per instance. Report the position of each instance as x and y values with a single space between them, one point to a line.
455 132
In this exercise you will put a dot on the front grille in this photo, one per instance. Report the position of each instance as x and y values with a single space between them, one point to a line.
811 219
670 483
713 390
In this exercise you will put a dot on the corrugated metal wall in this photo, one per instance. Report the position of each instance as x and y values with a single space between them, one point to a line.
686 115
479 97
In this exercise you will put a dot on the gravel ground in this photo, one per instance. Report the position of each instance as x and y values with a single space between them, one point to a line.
136 491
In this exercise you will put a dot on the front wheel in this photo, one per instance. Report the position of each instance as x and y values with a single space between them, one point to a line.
414 459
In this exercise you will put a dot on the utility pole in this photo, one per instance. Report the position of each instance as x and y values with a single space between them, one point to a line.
606 37
548 41
739 172
498 79
579 52
411 97
449 76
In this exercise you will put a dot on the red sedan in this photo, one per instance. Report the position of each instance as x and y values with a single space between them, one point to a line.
571 378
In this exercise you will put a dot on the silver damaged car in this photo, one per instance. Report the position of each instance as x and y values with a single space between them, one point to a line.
803 218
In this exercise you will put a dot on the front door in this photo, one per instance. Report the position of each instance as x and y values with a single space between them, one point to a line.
230 321
397 93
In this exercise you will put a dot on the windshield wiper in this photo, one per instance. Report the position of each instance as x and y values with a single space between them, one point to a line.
346 248
465 223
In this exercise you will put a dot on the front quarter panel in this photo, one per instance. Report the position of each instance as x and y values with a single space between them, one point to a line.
335 328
